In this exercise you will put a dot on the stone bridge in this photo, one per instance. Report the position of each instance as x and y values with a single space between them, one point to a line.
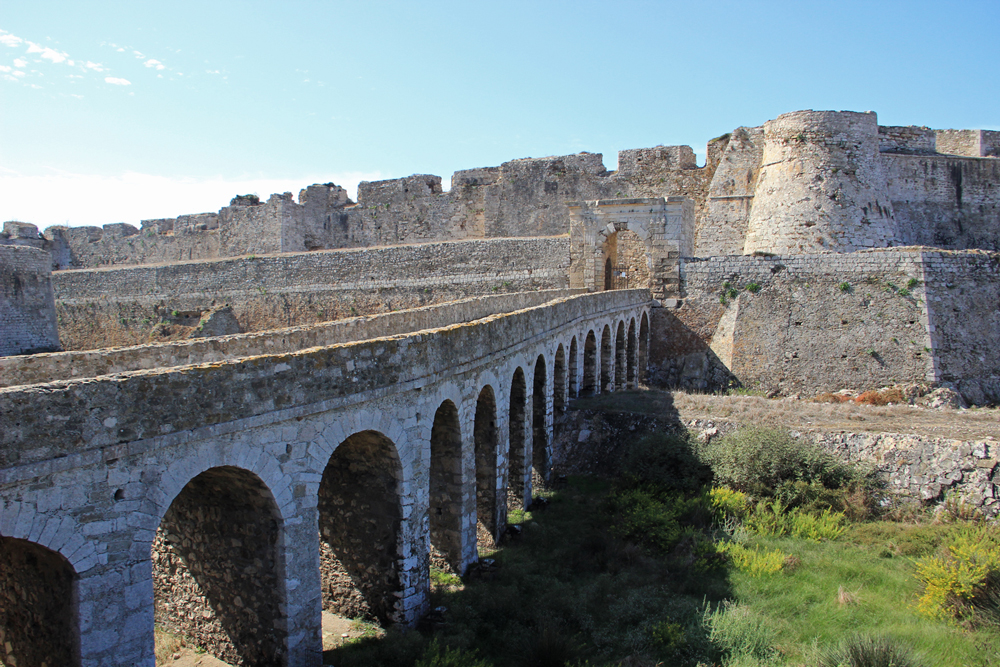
233 500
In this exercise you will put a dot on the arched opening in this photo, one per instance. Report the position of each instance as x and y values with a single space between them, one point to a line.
518 400
359 519
630 355
559 383
38 622
217 574
632 259
574 379
539 434
620 357
606 369
643 360
446 489
485 435
589 365
608 275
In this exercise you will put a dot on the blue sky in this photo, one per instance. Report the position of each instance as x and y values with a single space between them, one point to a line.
119 111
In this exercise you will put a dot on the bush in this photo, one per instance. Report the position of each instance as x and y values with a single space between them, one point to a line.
664 461
756 561
864 651
758 460
965 572
728 504
740 635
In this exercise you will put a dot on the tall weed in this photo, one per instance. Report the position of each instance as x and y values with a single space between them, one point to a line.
954 579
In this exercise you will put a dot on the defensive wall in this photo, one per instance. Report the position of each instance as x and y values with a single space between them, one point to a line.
811 323
123 305
27 309
232 501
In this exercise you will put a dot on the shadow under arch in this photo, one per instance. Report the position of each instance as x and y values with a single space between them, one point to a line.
559 382
217 571
606 360
630 354
489 513
620 356
517 424
38 606
446 488
643 355
589 387
539 432
359 521
574 378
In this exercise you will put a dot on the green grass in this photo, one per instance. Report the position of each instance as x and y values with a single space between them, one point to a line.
806 608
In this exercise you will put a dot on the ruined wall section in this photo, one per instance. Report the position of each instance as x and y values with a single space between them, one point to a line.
27 308
123 306
722 228
821 186
945 202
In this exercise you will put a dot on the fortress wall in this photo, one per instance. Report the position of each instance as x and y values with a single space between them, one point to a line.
963 299
122 306
906 139
273 226
168 240
816 323
27 310
39 368
946 202
722 229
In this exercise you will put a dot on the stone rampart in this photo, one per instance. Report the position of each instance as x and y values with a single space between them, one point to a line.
39 368
123 306
27 309
814 323
945 202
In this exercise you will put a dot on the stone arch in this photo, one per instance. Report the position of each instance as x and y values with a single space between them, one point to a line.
664 226
539 430
589 365
574 378
360 516
609 282
643 356
607 370
484 430
559 382
517 424
38 606
218 571
620 362
630 355
446 488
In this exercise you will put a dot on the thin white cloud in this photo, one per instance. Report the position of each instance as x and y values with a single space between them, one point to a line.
87 199
8 39
47 53
121 50
97 67
8 77
138 54
156 64
20 62
18 73
114 80
5 68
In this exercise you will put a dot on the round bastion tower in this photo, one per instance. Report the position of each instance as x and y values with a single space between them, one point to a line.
821 186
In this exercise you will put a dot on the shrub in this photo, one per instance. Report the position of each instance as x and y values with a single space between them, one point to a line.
758 460
644 518
753 288
726 503
739 633
753 561
963 573
865 651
